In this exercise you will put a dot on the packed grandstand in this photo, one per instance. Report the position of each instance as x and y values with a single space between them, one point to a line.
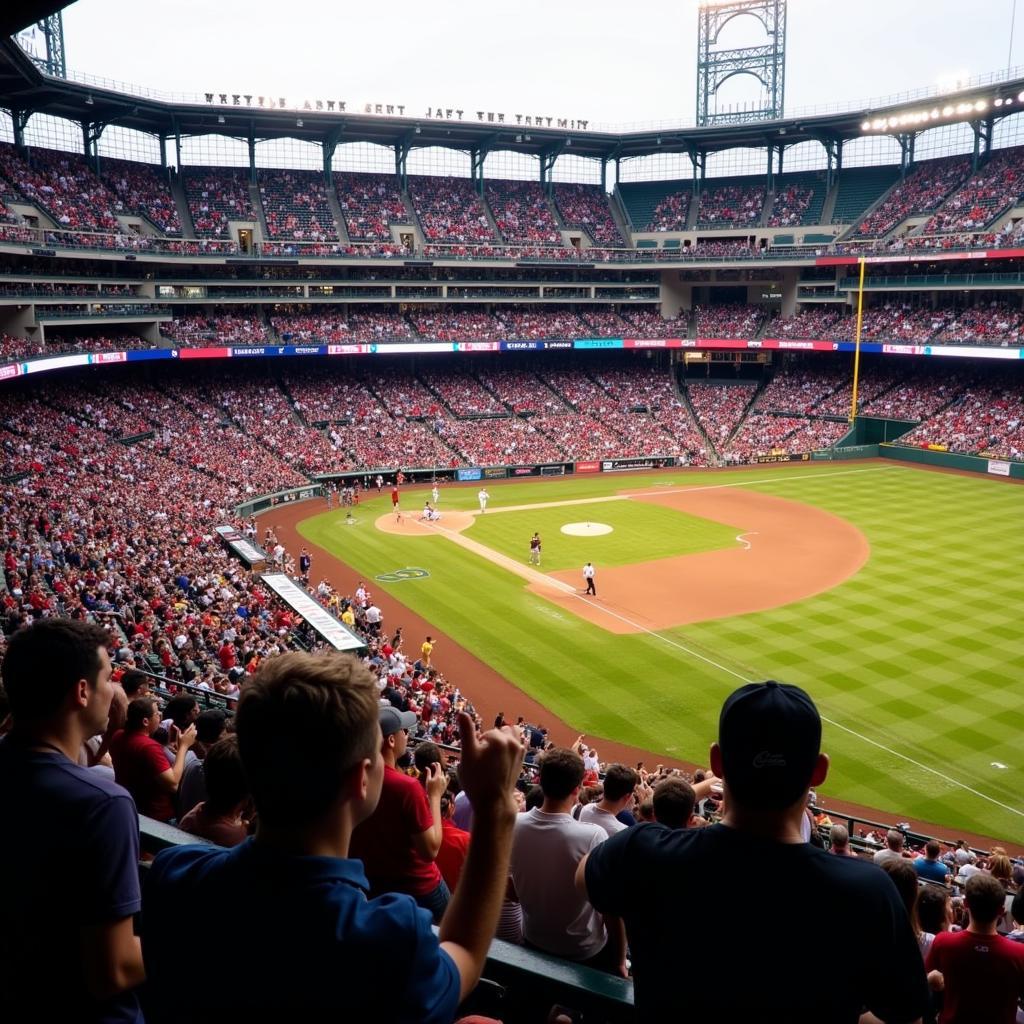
432 325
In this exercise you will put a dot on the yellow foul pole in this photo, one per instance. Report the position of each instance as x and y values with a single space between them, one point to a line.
856 349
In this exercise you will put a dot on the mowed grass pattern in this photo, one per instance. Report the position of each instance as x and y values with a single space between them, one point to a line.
640 533
921 652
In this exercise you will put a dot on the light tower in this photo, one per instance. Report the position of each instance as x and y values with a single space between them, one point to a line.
766 62
46 50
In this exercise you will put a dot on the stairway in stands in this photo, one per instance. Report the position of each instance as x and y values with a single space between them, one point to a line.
339 217
257 204
188 229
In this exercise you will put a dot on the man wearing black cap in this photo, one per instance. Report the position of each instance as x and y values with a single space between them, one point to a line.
398 844
684 892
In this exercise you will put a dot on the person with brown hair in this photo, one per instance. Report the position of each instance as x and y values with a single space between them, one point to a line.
674 800
219 817
69 848
979 972
546 850
140 763
306 939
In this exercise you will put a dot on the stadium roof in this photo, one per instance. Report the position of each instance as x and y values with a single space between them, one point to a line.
23 87
16 16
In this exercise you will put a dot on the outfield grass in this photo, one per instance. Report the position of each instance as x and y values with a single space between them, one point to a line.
916 662
640 533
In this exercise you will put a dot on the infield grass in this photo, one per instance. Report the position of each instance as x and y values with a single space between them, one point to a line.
916 662
640 533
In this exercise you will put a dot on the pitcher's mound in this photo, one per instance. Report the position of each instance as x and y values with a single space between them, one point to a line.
586 529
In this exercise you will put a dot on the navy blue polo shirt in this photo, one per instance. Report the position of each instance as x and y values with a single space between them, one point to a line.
300 935
69 857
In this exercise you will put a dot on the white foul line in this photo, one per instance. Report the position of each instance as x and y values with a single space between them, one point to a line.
695 654
830 721
497 510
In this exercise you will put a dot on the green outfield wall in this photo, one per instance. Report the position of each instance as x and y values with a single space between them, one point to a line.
953 460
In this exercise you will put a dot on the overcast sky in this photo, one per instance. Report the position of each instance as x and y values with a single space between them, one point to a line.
611 62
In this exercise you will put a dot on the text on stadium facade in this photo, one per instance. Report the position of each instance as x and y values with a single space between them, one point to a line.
245 99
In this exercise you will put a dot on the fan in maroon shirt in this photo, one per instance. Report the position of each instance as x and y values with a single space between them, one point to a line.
980 972
140 764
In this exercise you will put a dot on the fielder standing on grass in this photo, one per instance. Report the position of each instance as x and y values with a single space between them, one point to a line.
535 549
483 497
435 494
588 575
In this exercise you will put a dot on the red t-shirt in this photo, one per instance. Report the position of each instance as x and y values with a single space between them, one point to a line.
984 977
452 855
138 762
384 842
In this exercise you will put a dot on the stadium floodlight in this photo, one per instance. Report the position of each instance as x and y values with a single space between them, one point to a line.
220 119
935 113
1020 96
298 123
998 101
980 105
865 126
947 110
89 101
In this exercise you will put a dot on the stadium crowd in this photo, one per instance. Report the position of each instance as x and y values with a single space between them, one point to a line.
586 207
296 207
986 194
925 188
216 196
734 205
370 204
449 210
521 212
789 206
144 190
671 213
123 535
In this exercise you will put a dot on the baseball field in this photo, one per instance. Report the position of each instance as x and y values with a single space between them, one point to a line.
894 595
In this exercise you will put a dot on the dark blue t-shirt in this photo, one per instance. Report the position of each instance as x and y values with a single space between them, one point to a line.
798 935
69 858
301 937
933 870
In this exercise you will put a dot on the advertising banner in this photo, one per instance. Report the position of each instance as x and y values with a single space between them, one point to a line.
784 457
592 466
204 353
471 473
998 468
624 465
335 632
495 473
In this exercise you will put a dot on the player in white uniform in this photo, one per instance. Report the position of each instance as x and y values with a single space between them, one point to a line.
483 497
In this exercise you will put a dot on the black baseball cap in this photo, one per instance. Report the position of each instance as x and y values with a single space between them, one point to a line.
770 737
